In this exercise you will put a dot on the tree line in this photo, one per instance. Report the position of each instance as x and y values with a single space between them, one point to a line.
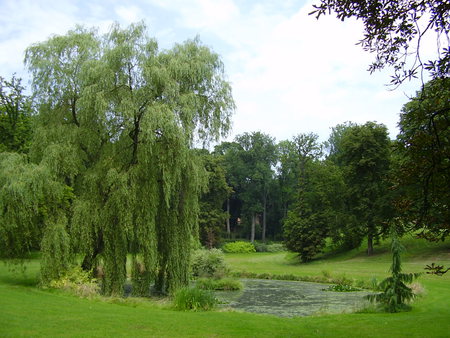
353 187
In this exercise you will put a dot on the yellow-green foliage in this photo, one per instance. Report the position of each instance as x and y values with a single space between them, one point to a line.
78 282
239 247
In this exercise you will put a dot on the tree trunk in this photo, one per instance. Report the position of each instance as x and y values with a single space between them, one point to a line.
252 235
228 219
89 259
369 244
264 220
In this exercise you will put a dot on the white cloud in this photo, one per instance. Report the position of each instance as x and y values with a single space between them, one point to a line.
308 76
128 14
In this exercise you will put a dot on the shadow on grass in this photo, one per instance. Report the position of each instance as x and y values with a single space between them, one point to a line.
19 280
20 273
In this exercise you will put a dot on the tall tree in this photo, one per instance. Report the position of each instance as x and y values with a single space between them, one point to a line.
315 213
365 157
423 148
311 186
395 31
249 162
117 122
258 155
234 175
212 217
15 116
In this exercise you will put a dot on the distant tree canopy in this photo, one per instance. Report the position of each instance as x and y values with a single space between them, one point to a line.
364 156
395 31
315 197
212 217
249 161
113 154
15 116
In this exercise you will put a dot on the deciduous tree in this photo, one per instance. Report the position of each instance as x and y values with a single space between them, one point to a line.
15 116
365 158
423 148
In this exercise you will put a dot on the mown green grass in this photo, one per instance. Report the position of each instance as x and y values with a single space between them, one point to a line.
353 264
26 310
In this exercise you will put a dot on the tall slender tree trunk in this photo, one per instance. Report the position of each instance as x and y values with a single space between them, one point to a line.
228 219
252 235
264 219
369 244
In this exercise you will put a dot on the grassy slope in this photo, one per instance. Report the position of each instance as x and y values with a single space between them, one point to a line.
28 311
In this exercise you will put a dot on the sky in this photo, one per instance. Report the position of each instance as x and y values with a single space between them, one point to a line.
290 73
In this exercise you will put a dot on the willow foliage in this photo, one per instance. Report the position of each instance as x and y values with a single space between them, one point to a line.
30 202
117 122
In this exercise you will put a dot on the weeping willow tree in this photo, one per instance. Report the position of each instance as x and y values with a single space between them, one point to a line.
33 214
117 122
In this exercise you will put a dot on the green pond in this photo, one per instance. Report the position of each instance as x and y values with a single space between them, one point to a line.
290 299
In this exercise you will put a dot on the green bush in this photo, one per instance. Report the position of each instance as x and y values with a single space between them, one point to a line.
225 284
194 299
239 247
208 263
269 247
78 282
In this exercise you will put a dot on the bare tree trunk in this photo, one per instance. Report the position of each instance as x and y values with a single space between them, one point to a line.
264 220
369 244
252 235
228 219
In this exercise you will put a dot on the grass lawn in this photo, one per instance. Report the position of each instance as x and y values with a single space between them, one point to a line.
26 310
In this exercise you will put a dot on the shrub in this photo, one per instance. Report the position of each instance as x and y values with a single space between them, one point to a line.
225 284
194 299
77 281
208 263
341 288
269 247
261 247
239 247
276 247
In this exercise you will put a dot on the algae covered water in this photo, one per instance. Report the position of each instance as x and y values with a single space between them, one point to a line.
291 299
